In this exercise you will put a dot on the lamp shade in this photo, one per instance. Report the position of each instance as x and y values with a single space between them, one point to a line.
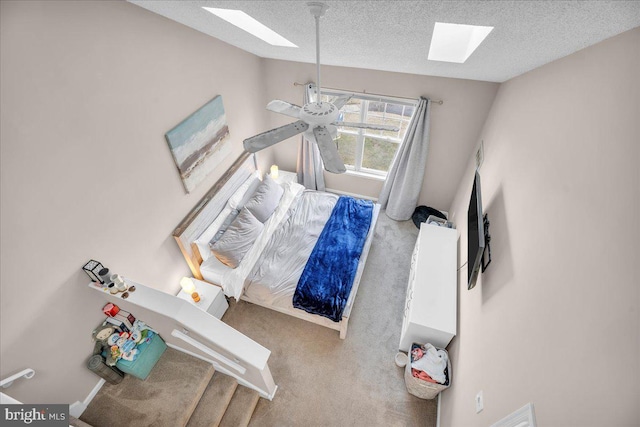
187 285
274 171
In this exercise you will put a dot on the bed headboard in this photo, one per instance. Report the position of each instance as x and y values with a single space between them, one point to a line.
209 207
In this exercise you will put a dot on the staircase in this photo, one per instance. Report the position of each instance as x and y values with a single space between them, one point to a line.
180 391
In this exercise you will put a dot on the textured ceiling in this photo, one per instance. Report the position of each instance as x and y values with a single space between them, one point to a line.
395 35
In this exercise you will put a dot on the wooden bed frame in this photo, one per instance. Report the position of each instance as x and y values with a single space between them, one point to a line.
210 206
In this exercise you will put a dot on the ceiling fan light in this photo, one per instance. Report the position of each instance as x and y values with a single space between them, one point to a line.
455 42
250 25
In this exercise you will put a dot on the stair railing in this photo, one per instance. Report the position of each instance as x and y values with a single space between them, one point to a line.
26 373
211 352
180 322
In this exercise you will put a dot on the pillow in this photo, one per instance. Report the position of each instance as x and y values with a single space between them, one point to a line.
244 192
213 270
202 242
265 200
227 222
238 239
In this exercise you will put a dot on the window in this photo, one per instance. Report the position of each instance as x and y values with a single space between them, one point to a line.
370 151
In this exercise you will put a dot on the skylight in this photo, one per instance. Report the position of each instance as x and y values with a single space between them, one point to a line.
250 25
455 42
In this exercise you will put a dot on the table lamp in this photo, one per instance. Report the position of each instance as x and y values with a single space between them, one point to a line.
187 285
274 171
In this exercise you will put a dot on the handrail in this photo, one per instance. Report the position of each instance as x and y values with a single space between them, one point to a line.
26 373
197 344
237 354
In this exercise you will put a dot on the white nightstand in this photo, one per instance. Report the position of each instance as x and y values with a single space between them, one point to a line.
212 299
284 177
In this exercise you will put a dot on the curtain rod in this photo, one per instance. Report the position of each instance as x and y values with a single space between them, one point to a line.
434 101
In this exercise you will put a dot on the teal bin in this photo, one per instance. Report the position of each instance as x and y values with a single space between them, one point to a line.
150 352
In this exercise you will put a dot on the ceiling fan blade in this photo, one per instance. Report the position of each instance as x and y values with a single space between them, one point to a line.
366 126
273 136
341 101
328 150
285 108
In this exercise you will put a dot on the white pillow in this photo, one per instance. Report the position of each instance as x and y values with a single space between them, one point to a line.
213 270
218 226
266 199
202 242
244 192
227 222
238 239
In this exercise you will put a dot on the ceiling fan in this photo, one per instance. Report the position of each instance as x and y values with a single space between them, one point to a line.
318 120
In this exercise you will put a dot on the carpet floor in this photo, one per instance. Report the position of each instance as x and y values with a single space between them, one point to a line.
325 381
165 399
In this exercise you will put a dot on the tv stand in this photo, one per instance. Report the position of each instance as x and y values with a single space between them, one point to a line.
431 302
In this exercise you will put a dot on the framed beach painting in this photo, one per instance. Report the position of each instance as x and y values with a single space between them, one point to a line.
199 143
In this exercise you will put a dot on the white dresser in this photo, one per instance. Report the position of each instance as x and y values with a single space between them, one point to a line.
431 302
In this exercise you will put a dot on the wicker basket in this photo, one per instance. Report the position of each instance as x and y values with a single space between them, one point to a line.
424 389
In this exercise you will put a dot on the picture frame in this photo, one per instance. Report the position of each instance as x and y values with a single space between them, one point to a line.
199 143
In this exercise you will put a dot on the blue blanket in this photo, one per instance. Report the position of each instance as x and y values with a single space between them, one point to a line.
327 278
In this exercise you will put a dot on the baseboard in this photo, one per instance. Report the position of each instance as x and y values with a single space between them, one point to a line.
344 193
220 368
438 411
76 409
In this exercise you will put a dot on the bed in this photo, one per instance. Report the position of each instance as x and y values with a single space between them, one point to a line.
280 246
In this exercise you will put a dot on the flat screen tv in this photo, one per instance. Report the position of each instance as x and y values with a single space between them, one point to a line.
475 234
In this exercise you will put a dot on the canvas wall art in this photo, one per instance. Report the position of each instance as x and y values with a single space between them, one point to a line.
199 143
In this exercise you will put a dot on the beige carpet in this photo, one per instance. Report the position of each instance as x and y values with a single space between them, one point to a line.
166 398
326 381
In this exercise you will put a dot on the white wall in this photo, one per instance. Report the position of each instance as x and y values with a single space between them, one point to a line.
88 91
555 318
454 125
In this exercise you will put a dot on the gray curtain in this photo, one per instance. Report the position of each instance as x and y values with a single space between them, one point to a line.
401 189
310 168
